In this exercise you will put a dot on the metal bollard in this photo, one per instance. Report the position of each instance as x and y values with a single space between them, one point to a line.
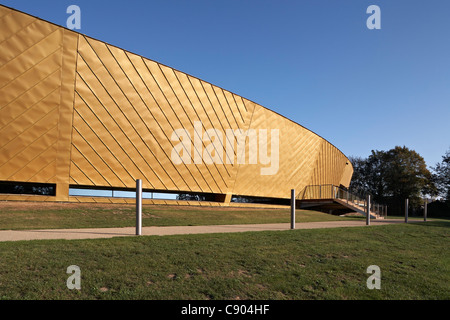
293 209
138 207
425 209
406 210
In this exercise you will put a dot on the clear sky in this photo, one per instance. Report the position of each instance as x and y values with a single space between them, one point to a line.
313 61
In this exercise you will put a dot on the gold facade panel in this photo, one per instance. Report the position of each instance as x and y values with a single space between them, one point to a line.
92 120
29 97
28 58
19 85
240 119
12 22
230 116
77 176
25 152
180 121
245 107
169 99
65 122
330 166
188 118
177 120
95 153
130 126
216 174
250 172
303 148
347 174
89 171
298 150
75 110
11 112
12 132
31 35
107 146
4 11
44 171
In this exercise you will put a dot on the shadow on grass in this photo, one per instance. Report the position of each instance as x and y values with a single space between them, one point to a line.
436 223
431 222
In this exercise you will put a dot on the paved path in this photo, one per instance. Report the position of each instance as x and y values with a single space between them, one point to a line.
69 234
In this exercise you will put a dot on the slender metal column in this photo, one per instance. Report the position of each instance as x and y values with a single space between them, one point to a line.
368 211
138 207
406 210
425 209
293 209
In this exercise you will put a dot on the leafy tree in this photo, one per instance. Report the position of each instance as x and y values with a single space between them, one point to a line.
376 175
368 175
359 179
406 173
392 176
442 176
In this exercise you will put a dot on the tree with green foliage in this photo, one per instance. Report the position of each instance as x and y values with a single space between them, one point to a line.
359 181
406 174
442 176
368 176
393 176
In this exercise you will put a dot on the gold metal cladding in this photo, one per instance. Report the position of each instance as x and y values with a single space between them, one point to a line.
37 68
78 111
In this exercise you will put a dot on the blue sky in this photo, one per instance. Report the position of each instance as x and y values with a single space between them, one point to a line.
313 61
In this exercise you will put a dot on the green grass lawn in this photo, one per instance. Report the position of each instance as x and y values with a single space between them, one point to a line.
293 264
15 216
283 265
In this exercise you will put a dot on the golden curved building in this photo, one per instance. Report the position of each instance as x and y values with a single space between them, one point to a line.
78 112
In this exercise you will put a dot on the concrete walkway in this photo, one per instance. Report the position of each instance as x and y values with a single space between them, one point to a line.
71 234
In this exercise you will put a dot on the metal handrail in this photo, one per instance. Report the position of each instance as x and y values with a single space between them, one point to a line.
330 191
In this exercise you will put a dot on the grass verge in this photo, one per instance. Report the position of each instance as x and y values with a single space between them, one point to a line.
286 265
14 216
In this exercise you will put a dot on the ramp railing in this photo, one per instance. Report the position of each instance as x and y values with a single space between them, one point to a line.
353 201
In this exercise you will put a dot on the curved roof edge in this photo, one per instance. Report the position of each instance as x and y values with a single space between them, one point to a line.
140 55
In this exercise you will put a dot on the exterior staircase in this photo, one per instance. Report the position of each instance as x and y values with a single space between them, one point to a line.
334 198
